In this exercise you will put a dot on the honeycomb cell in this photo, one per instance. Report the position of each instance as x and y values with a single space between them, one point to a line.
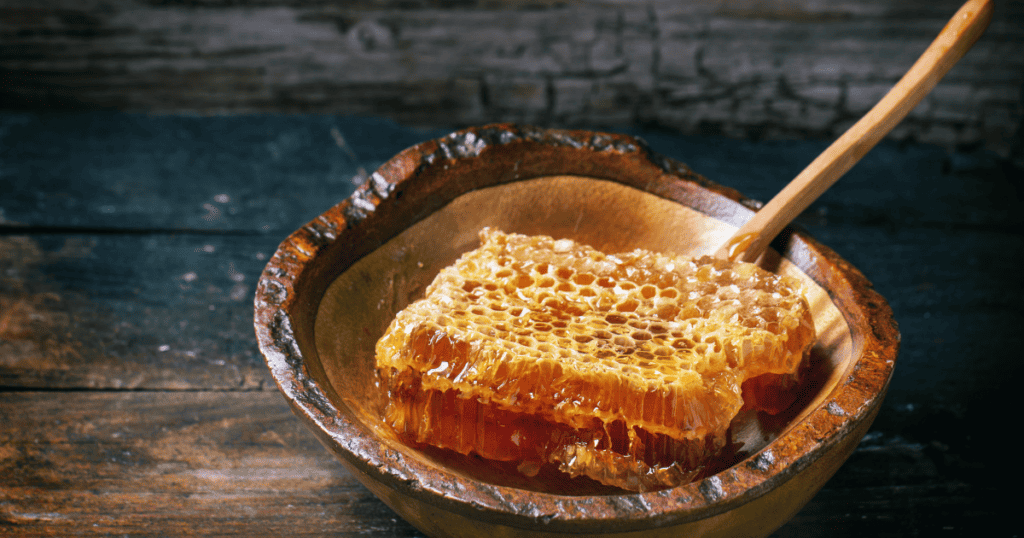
627 369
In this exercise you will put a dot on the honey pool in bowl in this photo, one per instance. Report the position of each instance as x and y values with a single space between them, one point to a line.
333 287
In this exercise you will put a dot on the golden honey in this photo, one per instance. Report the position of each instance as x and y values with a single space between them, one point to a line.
625 368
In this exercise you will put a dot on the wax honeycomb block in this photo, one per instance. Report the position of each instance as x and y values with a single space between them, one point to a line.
625 368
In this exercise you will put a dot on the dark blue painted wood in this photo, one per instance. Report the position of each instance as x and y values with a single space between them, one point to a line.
130 244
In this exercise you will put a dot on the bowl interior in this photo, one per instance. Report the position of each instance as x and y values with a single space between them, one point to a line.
360 303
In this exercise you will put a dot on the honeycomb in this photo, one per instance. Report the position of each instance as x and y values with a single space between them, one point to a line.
625 368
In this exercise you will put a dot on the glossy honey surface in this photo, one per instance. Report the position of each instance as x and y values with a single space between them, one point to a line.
625 368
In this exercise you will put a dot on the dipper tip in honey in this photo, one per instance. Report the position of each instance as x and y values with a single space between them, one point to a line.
625 368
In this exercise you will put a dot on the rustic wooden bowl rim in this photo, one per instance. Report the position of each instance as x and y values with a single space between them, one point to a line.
310 258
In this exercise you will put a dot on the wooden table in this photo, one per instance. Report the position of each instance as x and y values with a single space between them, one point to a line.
133 399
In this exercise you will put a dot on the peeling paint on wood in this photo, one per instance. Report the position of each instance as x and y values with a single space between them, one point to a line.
117 228
130 312
180 463
740 68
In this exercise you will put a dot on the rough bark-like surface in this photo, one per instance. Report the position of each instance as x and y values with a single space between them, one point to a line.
742 68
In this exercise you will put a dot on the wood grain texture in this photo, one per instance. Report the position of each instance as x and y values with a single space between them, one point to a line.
145 311
215 463
742 68
102 228
173 463
106 171
269 174
958 36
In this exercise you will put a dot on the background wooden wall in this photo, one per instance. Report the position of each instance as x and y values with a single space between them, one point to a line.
740 68
133 399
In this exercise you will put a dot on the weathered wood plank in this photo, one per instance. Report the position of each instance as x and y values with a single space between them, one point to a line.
956 296
743 68
126 346
131 306
216 463
174 463
262 174
173 312
895 186
126 311
917 510
270 174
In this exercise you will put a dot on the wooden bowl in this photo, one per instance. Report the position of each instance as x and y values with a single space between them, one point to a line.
334 285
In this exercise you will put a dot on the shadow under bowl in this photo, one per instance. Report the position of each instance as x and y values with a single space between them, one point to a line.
333 286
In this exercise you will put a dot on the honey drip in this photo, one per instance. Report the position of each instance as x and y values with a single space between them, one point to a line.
738 245
627 369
